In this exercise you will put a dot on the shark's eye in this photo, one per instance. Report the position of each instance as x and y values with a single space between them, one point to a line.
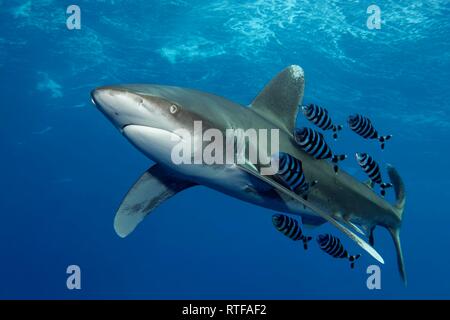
173 109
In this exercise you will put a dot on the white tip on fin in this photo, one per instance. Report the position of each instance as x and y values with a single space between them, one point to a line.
278 101
150 190
367 247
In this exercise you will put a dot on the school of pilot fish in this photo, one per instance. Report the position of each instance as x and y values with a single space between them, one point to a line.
291 175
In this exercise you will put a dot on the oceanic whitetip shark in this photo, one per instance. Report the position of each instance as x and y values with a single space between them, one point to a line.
150 115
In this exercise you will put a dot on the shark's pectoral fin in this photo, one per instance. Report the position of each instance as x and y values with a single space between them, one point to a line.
154 187
317 210
279 100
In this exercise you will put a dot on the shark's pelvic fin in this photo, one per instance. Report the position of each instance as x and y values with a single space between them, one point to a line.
279 100
312 221
149 191
369 249
356 228
345 221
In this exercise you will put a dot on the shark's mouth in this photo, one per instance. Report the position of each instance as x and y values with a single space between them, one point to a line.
158 144
143 129
124 126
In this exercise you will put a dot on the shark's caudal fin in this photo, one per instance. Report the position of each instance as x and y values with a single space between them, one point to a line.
279 100
149 191
399 206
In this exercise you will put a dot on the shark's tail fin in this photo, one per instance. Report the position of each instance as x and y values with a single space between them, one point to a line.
399 207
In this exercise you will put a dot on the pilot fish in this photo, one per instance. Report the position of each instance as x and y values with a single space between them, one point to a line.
364 127
290 227
372 169
313 143
320 117
333 246
291 174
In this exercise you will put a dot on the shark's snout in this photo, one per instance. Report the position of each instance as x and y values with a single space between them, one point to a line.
103 99
148 121
100 97
125 106
121 107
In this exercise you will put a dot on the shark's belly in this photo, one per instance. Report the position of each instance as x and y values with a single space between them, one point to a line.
232 181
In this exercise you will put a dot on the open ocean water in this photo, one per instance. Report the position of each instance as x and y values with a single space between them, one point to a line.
65 168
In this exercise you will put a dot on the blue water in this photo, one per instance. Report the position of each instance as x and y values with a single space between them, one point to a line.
65 168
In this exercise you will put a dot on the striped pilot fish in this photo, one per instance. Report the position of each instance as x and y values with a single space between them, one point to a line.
333 246
372 169
290 227
364 127
320 117
290 172
313 143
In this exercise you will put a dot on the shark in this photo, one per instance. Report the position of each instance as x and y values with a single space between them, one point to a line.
149 116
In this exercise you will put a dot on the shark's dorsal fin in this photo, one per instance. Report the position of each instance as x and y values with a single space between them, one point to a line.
279 100
149 191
